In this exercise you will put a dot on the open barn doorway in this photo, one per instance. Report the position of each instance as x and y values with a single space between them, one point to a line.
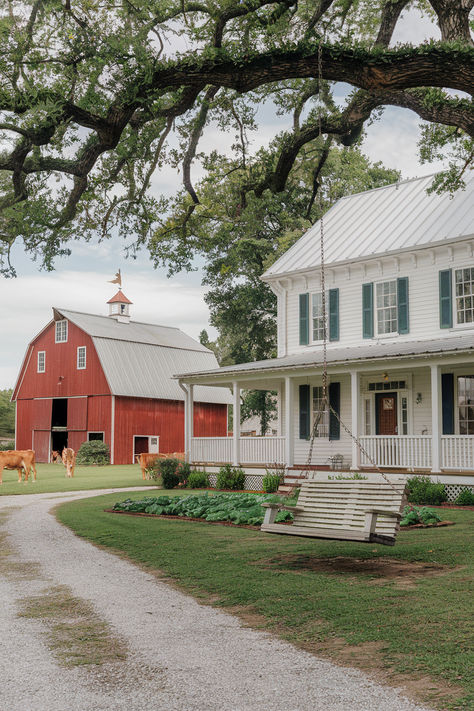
58 441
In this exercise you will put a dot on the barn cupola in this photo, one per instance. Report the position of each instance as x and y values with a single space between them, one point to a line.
119 307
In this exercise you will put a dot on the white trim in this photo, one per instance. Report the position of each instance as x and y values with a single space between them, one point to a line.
388 334
41 353
62 340
112 430
81 367
355 407
436 422
236 425
289 422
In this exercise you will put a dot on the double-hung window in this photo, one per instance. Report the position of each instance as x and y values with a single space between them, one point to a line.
322 428
41 362
466 404
386 307
61 331
81 357
464 285
317 317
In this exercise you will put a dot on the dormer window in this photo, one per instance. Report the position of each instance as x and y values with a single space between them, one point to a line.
41 362
464 285
61 331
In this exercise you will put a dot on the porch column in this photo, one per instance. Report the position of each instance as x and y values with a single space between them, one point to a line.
355 410
435 418
190 419
289 422
236 426
187 452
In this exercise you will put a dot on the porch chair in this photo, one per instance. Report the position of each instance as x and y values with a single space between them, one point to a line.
366 511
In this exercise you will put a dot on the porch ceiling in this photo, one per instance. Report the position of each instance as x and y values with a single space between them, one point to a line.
273 370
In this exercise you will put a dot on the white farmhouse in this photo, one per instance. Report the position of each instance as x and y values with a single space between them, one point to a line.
399 275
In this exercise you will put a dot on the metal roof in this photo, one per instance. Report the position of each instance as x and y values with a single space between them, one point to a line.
336 356
134 331
395 217
140 359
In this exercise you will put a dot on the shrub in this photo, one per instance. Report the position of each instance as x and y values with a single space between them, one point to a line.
7 446
412 515
197 480
231 478
183 472
167 471
93 452
271 482
465 498
421 490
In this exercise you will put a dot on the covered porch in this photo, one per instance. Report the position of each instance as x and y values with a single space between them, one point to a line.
412 413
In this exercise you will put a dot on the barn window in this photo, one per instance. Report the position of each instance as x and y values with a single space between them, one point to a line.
81 357
41 361
95 436
61 331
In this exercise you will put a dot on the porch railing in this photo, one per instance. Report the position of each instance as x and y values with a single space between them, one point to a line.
457 452
402 451
253 450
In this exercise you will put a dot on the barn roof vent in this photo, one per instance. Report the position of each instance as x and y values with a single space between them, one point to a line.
119 307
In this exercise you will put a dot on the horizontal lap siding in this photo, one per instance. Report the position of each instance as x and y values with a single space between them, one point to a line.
423 291
165 419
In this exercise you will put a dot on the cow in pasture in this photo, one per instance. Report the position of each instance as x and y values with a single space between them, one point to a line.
55 457
19 460
69 460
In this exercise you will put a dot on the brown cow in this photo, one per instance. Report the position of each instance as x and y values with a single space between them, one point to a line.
55 457
147 459
69 460
18 459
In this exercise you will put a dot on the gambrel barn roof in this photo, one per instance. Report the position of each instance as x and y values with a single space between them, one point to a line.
390 219
140 359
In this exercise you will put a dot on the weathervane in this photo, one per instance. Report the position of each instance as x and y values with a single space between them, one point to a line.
117 280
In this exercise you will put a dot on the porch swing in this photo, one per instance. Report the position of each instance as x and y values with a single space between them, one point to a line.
364 510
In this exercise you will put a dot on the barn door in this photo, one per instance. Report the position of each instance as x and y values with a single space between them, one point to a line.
42 414
41 445
76 438
77 413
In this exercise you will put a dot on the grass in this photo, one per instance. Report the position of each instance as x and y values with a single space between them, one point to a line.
51 478
76 635
411 630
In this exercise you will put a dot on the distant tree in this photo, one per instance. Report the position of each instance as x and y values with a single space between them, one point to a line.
7 413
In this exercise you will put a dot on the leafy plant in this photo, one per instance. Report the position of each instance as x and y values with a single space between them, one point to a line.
465 498
167 471
421 490
198 480
271 482
413 515
241 509
93 452
350 477
183 472
230 478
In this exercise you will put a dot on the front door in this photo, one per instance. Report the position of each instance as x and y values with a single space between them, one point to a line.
386 413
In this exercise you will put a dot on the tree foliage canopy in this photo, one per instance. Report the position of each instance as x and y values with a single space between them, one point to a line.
95 97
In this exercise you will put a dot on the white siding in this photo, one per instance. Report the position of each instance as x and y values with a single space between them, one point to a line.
421 268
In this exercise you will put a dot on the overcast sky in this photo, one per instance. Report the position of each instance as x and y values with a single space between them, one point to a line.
80 281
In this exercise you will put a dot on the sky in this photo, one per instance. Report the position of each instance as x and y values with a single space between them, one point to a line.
80 282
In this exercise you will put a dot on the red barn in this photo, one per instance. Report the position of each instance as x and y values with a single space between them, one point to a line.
90 377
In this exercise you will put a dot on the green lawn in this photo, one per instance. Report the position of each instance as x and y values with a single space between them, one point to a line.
51 477
413 627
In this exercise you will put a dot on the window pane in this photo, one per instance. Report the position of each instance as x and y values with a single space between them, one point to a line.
464 279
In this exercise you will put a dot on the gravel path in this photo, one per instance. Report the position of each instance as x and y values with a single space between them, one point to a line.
182 656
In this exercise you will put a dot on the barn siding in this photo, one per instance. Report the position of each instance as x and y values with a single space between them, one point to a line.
165 419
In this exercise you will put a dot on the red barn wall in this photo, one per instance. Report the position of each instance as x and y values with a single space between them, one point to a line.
165 419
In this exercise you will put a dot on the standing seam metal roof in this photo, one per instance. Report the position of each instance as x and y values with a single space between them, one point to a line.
384 220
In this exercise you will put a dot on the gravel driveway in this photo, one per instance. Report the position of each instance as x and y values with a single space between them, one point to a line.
181 656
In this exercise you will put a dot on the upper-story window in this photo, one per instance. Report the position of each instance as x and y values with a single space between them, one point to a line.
41 362
61 331
317 317
386 306
81 357
464 285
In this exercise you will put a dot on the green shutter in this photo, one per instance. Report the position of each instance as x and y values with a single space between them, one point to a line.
334 404
333 314
445 299
368 310
304 319
447 402
305 414
402 305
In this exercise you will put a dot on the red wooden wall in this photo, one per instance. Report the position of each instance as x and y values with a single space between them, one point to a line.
163 418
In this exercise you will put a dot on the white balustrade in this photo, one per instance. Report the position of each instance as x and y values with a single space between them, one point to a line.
457 452
403 451
253 450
